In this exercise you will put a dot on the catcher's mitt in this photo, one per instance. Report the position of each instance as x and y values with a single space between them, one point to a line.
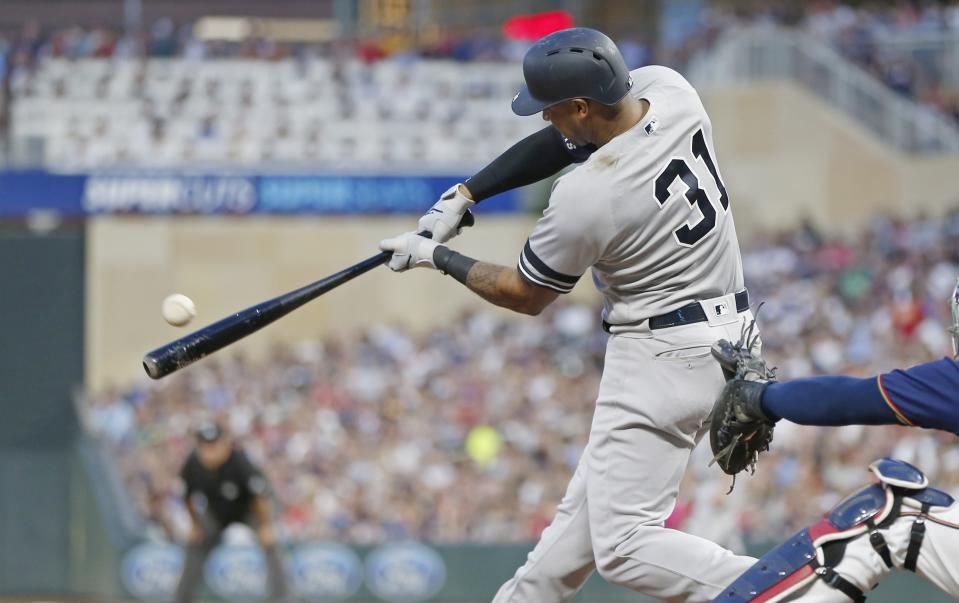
740 430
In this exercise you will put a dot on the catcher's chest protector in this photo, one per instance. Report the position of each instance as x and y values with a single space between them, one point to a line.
814 551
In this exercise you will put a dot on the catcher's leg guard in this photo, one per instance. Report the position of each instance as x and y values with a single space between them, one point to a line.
814 551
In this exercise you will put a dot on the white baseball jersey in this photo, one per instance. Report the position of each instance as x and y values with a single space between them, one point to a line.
648 212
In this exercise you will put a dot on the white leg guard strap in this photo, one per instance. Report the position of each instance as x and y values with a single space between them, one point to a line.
815 551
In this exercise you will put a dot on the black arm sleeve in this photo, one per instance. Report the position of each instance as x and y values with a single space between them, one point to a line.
537 156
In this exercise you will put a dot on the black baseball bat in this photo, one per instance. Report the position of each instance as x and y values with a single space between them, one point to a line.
203 342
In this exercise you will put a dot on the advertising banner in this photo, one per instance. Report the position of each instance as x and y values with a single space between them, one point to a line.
79 195
324 572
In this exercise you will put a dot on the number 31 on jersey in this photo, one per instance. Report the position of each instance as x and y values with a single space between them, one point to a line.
687 235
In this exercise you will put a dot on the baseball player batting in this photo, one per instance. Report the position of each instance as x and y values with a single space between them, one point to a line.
647 211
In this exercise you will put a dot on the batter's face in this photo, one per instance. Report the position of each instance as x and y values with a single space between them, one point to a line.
570 118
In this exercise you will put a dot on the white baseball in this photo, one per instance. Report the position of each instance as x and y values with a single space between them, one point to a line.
178 309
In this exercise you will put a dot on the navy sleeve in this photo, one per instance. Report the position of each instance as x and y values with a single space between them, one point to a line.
926 395
530 160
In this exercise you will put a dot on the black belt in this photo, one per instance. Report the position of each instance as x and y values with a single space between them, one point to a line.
687 315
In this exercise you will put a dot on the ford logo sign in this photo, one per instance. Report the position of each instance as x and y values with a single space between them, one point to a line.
404 572
325 572
151 571
237 573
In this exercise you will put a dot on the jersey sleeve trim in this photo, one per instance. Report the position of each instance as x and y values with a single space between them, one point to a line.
546 271
527 275
895 409
536 270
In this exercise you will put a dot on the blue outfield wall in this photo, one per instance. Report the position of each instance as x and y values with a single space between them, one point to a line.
401 572
78 195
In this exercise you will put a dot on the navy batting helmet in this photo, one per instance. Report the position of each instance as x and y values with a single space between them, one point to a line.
572 63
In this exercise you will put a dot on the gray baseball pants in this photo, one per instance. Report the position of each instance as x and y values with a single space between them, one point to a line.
656 393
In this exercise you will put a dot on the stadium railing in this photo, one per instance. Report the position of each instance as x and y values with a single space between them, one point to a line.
765 53
938 51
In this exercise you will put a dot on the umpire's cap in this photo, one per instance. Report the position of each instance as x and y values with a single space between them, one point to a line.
208 432
572 63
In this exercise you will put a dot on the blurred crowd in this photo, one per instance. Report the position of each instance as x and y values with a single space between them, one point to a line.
86 97
263 102
471 433
165 39
869 33
911 46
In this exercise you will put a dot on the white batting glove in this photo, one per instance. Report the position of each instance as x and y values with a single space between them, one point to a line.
444 217
410 250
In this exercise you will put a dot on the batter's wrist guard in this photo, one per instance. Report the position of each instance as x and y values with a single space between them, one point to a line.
452 263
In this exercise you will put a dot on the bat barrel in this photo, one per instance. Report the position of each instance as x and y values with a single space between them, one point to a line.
187 350
190 348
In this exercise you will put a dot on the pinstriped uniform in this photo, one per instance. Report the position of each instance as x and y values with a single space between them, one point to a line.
648 213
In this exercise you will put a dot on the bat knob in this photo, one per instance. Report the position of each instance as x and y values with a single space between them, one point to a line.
151 367
467 220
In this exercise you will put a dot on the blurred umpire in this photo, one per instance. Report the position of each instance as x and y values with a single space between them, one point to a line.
224 487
